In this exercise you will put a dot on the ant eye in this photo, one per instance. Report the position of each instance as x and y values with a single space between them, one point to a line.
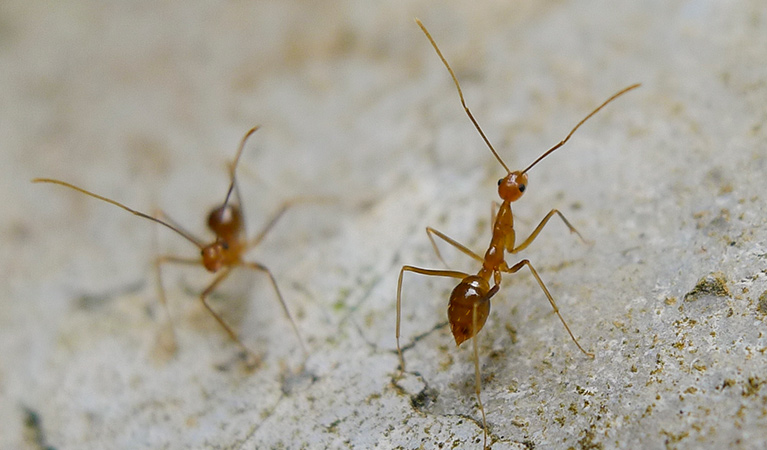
521 188
500 181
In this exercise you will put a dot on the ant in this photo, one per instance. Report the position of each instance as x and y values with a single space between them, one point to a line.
220 256
469 303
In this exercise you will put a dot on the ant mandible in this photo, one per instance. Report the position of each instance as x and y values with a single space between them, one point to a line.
469 303
220 256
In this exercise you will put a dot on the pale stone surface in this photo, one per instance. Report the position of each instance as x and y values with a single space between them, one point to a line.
146 102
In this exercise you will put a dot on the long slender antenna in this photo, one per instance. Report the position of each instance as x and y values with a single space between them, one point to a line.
236 161
562 142
183 233
460 94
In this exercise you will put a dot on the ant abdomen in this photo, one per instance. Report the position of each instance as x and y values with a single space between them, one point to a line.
471 291
226 222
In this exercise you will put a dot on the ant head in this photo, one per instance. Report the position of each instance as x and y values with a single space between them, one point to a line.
213 256
225 221
512 186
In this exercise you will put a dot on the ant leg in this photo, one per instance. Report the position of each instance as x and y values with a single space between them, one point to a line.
475 345
203 298
238 199
270 224
158 262
262 268
233 166
279 213
524 262
427 272
540 226
171 346
451 241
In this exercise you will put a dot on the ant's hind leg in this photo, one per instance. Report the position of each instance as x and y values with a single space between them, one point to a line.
427 272
233 187
540 226
475 346
515 268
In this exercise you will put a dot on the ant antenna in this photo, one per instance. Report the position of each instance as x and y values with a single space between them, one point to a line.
237 160
562 142
181 232
479 129
460 94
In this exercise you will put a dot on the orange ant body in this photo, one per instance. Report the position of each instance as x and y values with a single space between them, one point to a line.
220 256
469 304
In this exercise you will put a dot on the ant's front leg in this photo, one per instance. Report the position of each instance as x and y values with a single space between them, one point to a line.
262 268
540 226
158 262
255 360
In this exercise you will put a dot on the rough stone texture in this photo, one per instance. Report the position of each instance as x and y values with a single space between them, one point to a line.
145 102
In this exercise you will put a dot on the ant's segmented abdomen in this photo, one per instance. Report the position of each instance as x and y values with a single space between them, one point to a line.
470 291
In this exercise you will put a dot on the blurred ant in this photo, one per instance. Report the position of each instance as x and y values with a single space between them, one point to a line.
469 303
220 256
